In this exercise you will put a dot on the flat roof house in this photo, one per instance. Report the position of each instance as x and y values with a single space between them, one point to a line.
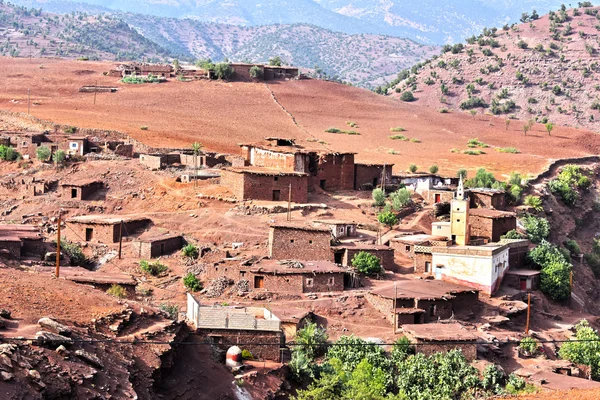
103 228
18 241
296 276
253 183
295 241
345 252
440 338
491 225
155 244
339 229
487 198
368 176
85 189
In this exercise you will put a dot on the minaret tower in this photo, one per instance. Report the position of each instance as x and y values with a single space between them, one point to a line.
459 216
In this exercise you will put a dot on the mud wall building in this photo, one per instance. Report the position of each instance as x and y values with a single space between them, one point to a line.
153 245
369 176
290 241
159 161
440 338
344 253
296 276
18 241
487 198
339 229
103 228
265 184
82 190
491 224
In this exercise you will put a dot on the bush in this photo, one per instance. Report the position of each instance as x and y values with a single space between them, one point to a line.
434 169
223 70
255 72
387 218
400 199
43 153
154 269
70 129
7 153
117 291
482 179
378 197
492 378
401 350
529 346
512 150
593 261
538 228
407 96
572 246
534 202
59 157
461 173
555 273
513 234
170 309
473 102
144 127
246 355
192 283
397 129
311 340
584 349
515 384
190 251
73 251
567 182
333 130
137 80
366 263
399 137
522 44
412 168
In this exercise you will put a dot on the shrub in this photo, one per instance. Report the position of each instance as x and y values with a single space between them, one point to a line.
70 129
572 246
117 291
529 346
473 102
567 182
170 309
246 355
555 273
492 378
476 143
401 350
192 283
444 110
59 157
43 153
513 234
556 90
584 349
512 150
366 263
387 218
461 173
534 202
538 228
255 72
333 130
515 384
407 96
154 269
7 153
522 44
223 70
144 127
378 197
397 129
482 179
473 152
399 137
73 251
137 80
400 199
593 261
413 168
190 251
434 169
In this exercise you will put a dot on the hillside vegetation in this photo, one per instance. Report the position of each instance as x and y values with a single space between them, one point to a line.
26 32
545 69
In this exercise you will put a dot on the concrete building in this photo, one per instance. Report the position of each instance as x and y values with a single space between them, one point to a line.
345 252
257 328
440 338
85 189
17 241
339 229
479 267
296 276
423 182
328 170
154 244
369 176
103 228
489 224
422 301
252 183
78 145
442 229
294 241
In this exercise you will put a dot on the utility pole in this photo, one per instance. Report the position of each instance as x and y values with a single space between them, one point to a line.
528 313
383 179
58 248
29 101
120 238
289 212
394 307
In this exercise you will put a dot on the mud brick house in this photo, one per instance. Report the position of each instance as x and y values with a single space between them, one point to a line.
489 224
103 228
345 252
258 329
433 338
37 187
517 251
27 143
274 72
17 241
326 169
435 196
78 145
241 71
159 161
295 241
252 183
86 189
487 198
479 267
191 71
522 279
420 301
154 244
296 276
292 320
369 176
142 69
418 249
339 229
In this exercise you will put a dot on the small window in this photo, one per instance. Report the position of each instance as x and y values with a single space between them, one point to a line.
330 281
309 282
291 240
432 310
242 273
458 220
275 178
310 242
407 248
73 145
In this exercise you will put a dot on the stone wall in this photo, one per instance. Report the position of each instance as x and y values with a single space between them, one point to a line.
491 228
299 283
245 186
101 233
297 244
365 174
272 159
10 250
435 309
488 200
88 192
420 261
381 304
334 172
262 345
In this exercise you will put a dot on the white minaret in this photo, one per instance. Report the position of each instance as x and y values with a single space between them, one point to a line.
459 216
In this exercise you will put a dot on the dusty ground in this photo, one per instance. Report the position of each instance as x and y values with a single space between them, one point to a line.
221 115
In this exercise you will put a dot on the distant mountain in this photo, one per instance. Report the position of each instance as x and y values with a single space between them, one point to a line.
546 69
428 21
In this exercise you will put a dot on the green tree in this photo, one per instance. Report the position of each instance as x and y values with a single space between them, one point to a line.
461 173
59 157
584 349
223 70
7 153
176 65
549 126
413 168
482 179
311 340
205 64
366 263
407 96
534 201
538 228
191 282
400 199
379 197
255 72
275 61
387 218
43 153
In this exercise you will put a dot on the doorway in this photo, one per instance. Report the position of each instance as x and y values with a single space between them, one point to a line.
427 267
89 234
259 282
438 198
162 249
276 195
438 272
73 193
322 184
374 182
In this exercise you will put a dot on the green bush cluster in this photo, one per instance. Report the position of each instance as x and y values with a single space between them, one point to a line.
555 271
190 251
584 349
74 252
366 263
192 283
529 345
138 79
153 268
378 197
473 102
117 291
538 228
7 153
567 184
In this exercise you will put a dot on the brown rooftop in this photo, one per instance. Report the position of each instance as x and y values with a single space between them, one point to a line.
82 182
334 222
106 219
367 164
156 236
295 149
419 239
439 332
299 226
288 267
264 171
523 272
488 213
421 289
362 246
13 232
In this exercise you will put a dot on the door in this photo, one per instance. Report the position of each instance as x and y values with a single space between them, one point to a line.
438 198
348 231
259 282
322 184
427 267
89 234
276 195
374 182
438 272
162 249
73 193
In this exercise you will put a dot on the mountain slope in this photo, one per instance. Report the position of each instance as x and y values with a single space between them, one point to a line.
546 70
429 21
